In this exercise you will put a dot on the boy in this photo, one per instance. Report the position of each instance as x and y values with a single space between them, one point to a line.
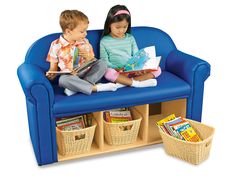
71 50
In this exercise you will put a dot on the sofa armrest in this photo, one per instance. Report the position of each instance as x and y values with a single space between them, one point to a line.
39 100
31 75
194 71
187 66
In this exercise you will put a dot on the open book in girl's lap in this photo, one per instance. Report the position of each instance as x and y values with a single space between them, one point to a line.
144 60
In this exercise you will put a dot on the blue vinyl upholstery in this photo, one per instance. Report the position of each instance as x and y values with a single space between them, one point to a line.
183 77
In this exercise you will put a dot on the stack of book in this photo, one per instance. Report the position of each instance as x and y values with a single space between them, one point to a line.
117 115
179 128
74 123
88 119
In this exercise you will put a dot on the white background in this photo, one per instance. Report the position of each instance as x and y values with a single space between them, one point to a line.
204 28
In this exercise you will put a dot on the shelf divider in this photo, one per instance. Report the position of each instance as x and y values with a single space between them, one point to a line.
98 136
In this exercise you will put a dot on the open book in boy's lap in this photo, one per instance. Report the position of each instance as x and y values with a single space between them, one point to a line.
79 69
144 60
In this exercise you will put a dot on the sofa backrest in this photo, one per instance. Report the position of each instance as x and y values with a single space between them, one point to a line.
145 36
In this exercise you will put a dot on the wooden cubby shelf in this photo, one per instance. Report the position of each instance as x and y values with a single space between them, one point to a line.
148 132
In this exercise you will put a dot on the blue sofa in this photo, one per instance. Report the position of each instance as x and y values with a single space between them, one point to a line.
183 76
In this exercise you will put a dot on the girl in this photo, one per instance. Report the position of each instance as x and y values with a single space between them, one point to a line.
118 45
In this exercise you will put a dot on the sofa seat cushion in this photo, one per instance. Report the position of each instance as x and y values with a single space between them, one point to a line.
169 87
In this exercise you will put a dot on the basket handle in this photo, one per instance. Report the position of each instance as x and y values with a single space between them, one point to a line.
79 137
208 143
126 127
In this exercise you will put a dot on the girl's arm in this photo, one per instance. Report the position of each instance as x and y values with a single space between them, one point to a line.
104 56
134 46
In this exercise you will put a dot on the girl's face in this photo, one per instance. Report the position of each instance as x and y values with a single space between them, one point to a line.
118 29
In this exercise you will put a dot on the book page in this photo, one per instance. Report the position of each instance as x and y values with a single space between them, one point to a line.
58 72
152 63
85 65
151 51
144 60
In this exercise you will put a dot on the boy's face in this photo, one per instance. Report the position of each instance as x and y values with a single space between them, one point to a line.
80 32
118 29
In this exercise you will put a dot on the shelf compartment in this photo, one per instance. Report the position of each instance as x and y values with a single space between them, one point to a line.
158 111
154 136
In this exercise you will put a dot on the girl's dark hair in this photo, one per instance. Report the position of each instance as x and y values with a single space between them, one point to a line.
113 19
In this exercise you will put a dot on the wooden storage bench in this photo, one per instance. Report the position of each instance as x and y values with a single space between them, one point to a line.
148 131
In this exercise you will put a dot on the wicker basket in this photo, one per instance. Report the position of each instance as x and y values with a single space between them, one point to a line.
75 141
124 132
191 152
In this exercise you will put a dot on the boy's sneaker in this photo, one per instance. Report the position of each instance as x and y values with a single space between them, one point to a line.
69 92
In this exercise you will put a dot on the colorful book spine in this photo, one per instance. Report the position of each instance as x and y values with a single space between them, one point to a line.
188 133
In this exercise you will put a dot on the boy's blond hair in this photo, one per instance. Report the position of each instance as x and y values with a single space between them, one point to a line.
69 19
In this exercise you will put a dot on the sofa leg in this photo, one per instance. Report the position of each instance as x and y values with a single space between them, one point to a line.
194 108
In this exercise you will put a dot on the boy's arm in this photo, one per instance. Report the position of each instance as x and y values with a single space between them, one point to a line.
53 67
52 58
91 53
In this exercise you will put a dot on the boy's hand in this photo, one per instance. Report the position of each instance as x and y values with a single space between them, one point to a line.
51 76
74 72
85 53
53 67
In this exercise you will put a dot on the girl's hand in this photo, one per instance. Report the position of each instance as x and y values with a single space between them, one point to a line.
140 73
120 70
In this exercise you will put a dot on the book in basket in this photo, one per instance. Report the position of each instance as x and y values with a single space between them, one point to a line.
73 123
179 128
162 121
117 116
88 119
144 60
173 125
188 133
